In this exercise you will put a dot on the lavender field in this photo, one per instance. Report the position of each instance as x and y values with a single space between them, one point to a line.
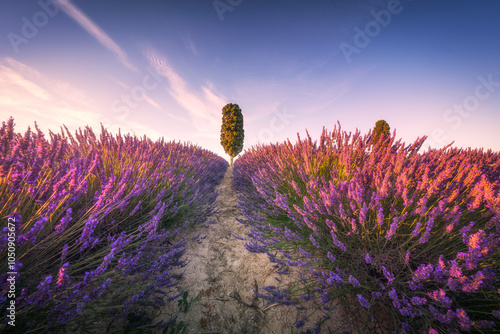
95 222
406 240
412 238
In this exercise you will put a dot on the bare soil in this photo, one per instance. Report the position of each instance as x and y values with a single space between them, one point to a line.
223 274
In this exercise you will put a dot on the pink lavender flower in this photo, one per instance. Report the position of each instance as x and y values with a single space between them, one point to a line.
463 319
392 230
423 272
390 276
380 216
455 270
62 277
331 225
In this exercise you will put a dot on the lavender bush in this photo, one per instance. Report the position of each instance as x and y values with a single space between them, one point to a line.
412 238
98 224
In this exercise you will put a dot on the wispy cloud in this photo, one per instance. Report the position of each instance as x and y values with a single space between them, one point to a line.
153 134
17 74
340 89
151 102
95 31
148 99
204 107
261 111
120 83
25 93
9 77
30 96
188 42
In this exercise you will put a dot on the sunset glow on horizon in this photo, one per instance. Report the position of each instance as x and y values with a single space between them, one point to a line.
166 68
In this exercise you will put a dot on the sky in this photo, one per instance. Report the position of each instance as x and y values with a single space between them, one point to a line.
165 68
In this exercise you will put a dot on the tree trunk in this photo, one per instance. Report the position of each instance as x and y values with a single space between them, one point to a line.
231 162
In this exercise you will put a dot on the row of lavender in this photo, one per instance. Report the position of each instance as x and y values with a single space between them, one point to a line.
97 222
412 238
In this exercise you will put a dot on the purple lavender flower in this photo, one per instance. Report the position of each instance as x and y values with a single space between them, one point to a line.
136 208
307 297
396 304
406 327
334 279
363 302
254 247
337 242
64 252
423 272
304 253
393 294
425 237
85 239
418 301
465 231
416 231
368 259
237 237
483 324
313 241
300 323
64 221
330 256
353 281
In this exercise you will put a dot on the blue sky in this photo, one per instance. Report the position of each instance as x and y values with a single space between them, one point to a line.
167 68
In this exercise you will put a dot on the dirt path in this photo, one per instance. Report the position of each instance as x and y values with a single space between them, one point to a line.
223 274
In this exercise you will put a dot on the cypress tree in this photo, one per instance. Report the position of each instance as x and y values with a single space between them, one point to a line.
382 129
232 133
